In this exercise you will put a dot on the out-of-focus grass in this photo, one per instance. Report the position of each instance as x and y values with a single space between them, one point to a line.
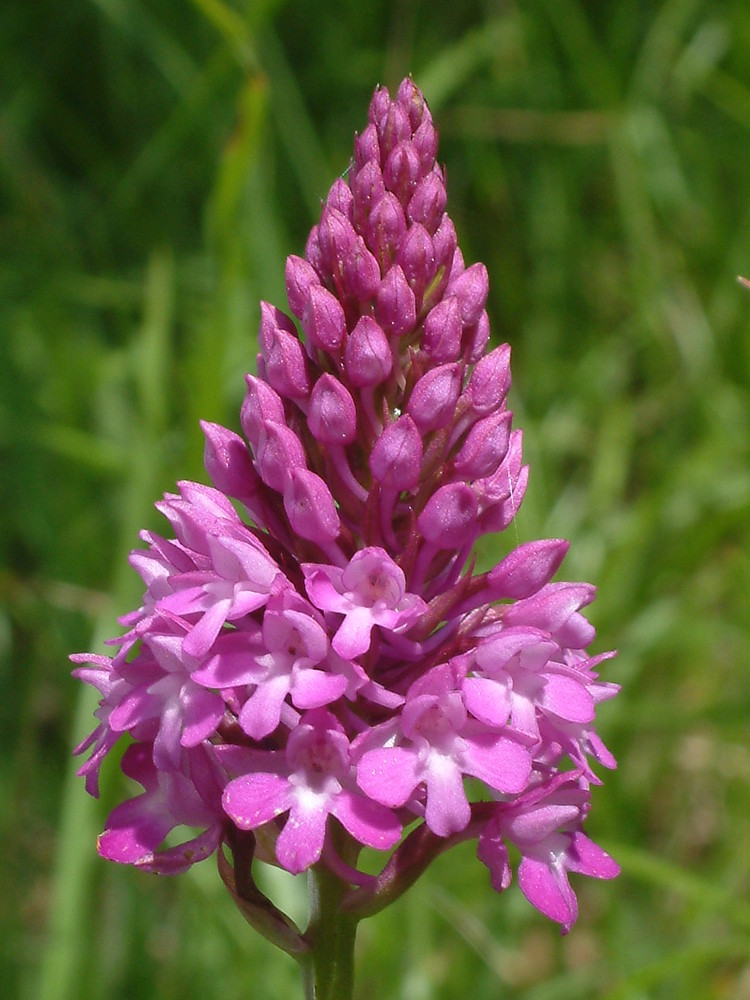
157 161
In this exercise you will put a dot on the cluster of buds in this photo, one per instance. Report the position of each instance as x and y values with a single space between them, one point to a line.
316 665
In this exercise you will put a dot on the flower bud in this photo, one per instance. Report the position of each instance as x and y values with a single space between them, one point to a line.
229 463
367 358
426 143
386 228
332 415
396 458
417 259
366 147
360 272
449 519
485 446
427 204
300 277
476 338
310 507
393 127
410 97
340 197
471 288
379 105
441 337
367 190
285 367
433 400
260 405
401 171
323 320
490 381
278 453
395 305
337 238
527 569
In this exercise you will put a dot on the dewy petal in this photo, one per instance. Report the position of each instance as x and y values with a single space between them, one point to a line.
254 799
498 761
300 843
389 774
447 809
548 889
353 635
368 822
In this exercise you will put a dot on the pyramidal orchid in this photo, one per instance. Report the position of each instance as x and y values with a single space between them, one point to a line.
316 667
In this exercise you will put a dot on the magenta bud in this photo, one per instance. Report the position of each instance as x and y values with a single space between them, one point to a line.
312 251
471 289
260 405
433 400
366 147
360 272
340 197
332 415
379 105
527 569
367 190
310 507
271 321
476 338
300 277
402 171
279 451
228 462
490 381
410 98
396 458
323 320
337 238
386 228
485 446
367 357
449 519
427 204
284 360
395 305
445 243
393 127
426 143
441 338
417 259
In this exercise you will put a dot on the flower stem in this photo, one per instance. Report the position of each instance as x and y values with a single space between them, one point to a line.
328 968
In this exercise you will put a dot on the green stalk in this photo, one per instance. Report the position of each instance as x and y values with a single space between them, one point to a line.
328 968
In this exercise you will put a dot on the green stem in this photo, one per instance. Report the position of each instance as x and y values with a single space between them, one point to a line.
328 968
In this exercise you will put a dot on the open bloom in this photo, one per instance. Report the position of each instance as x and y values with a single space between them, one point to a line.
316 665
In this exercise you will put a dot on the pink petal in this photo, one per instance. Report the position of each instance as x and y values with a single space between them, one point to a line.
389 774
261 713
588 858
313 688
567 698
548 891
501 763
369 822
447 810
353 636
487 700
254 799
300 843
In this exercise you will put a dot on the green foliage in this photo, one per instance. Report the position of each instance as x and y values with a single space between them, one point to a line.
158 160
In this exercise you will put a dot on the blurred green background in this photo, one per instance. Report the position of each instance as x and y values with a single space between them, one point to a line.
158 160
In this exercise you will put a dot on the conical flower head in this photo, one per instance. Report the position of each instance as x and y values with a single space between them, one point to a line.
330 656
